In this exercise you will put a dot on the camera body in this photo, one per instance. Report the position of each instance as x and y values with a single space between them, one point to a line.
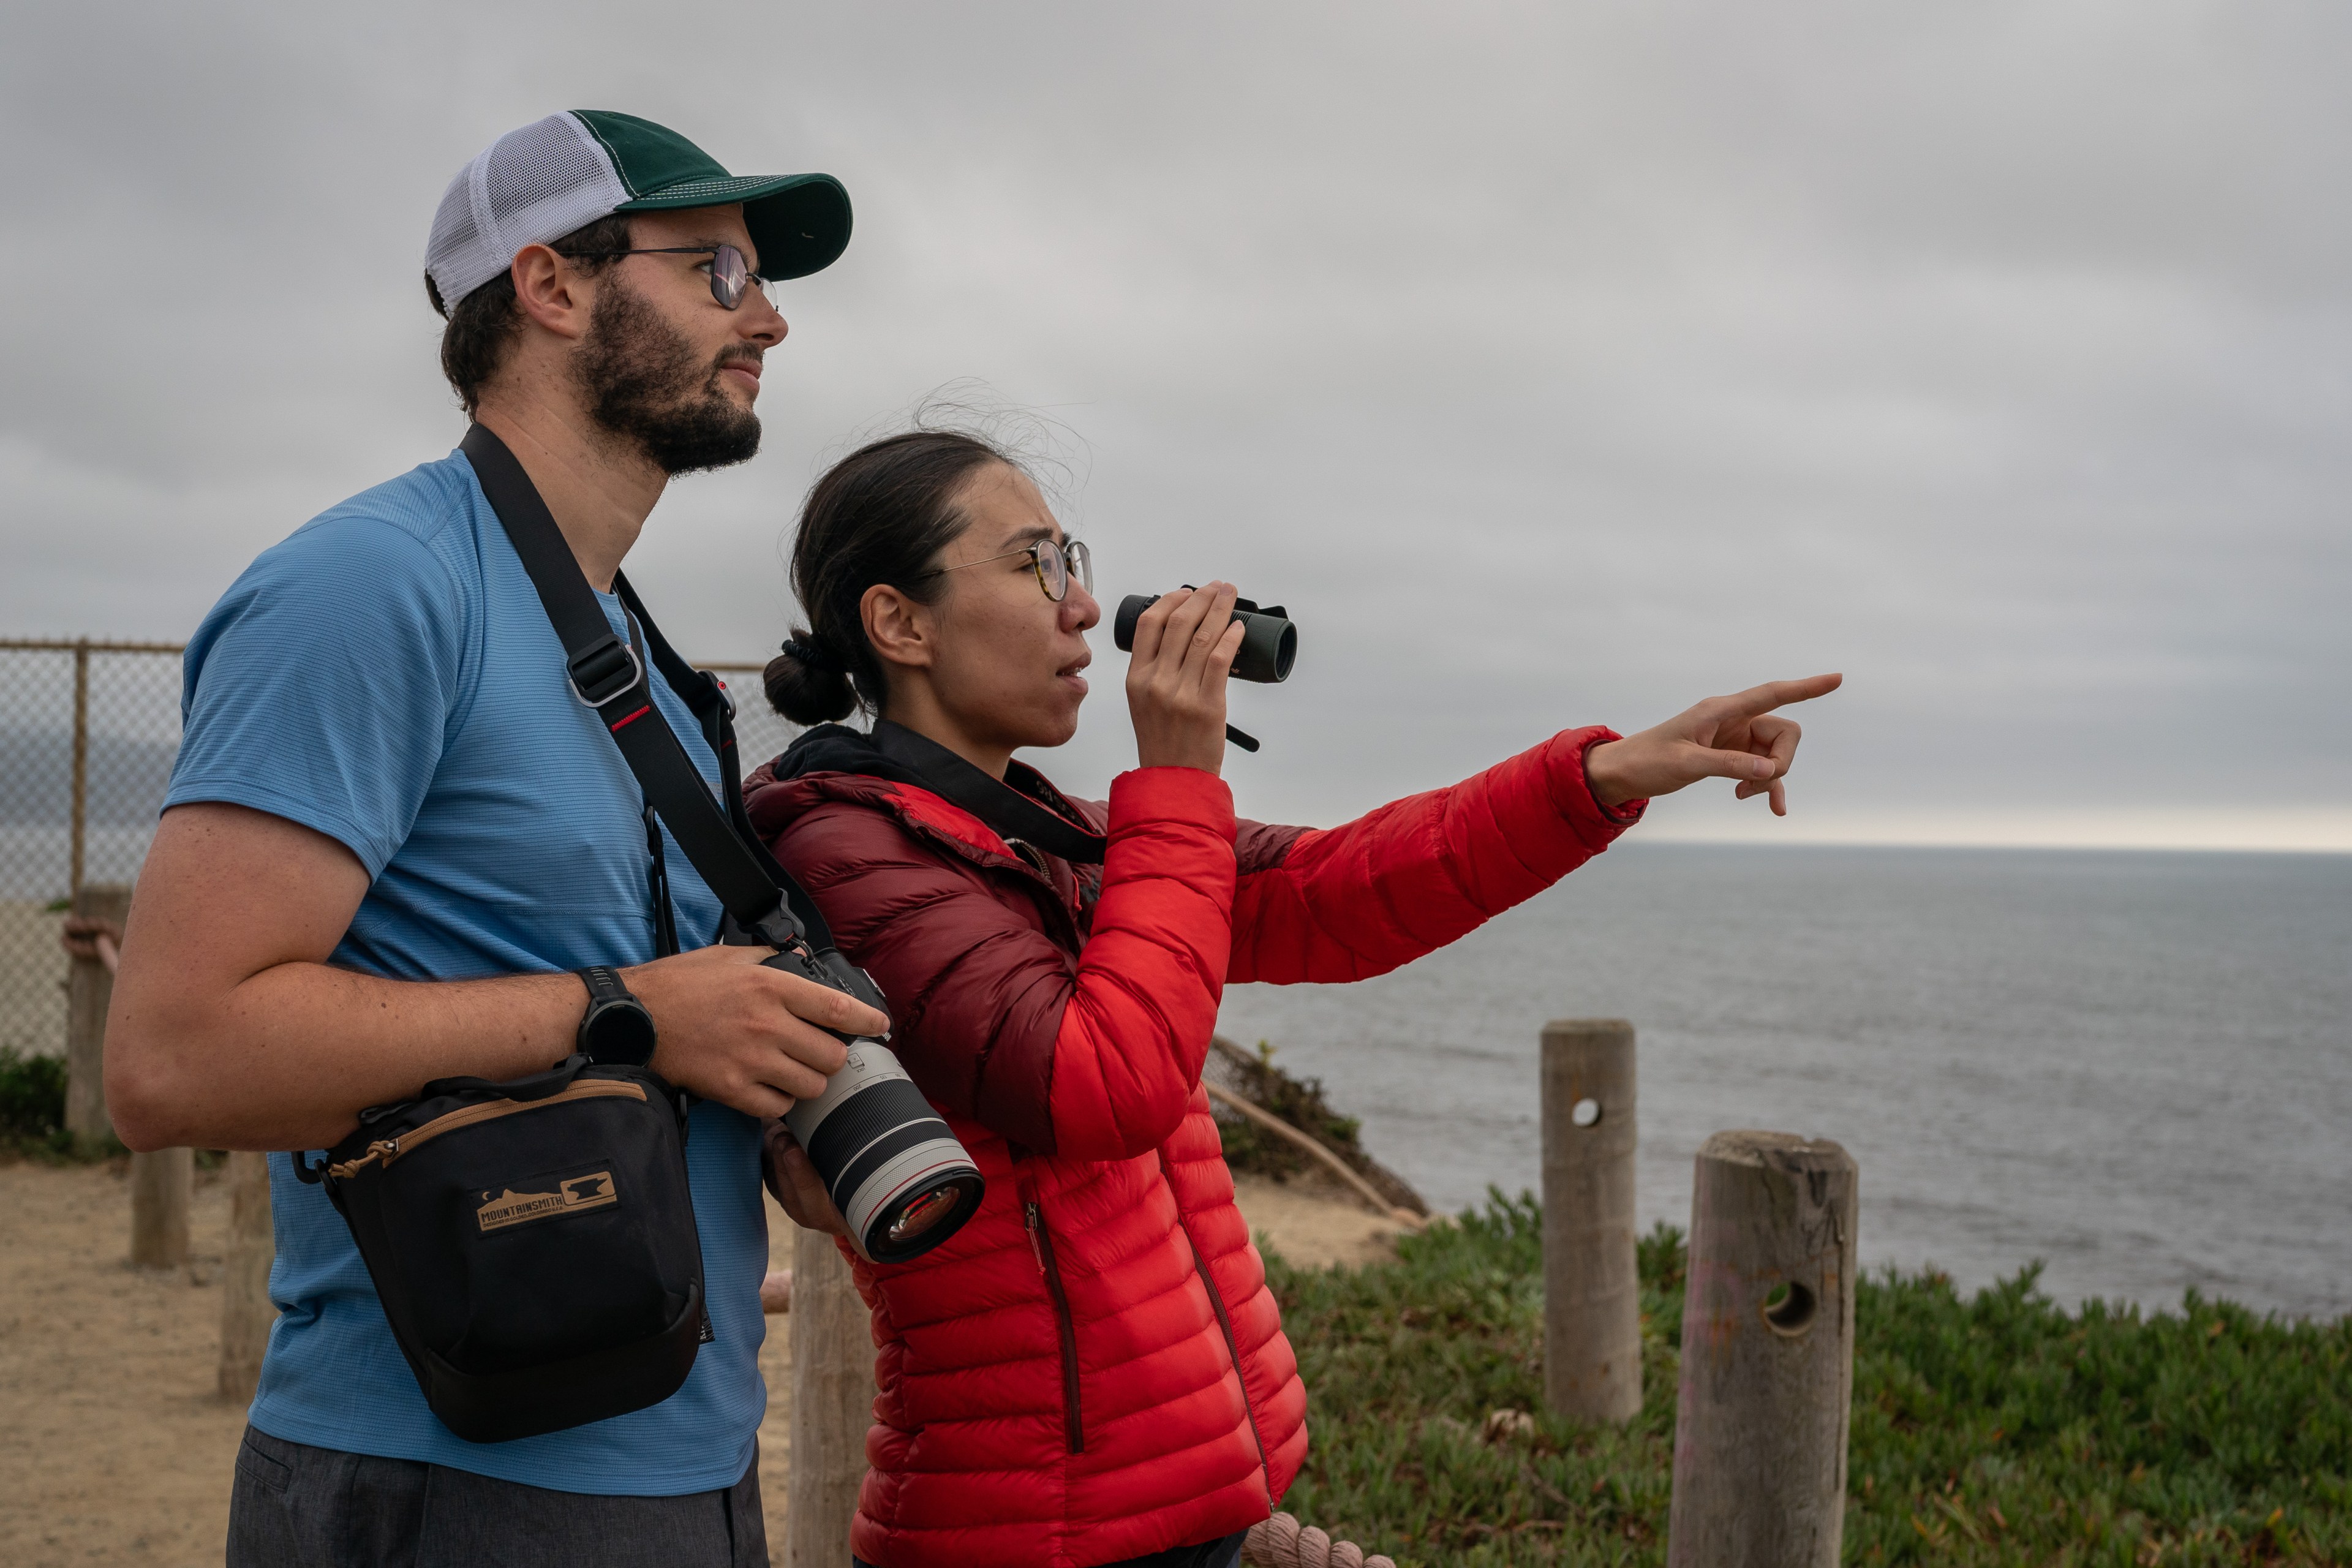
1269 640
892 1167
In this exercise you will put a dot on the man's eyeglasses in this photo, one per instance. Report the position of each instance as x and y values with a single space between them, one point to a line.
1054 563
730 275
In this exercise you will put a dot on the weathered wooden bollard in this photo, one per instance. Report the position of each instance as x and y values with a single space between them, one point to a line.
160 1186
833 1404
1768 1356
1592 1306
246 1311
89 986
160 1182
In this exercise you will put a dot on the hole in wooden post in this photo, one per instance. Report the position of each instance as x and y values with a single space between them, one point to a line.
1585 1113
1788 1310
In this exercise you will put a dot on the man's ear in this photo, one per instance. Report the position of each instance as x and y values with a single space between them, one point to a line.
550 292
902 631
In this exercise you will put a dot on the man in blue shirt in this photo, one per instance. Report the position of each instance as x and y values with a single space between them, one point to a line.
394 834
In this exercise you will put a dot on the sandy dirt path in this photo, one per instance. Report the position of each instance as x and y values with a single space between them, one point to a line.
115 1452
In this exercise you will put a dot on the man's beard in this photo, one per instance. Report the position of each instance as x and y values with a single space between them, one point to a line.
644 386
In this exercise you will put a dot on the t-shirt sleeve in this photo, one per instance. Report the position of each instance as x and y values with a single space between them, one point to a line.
321 685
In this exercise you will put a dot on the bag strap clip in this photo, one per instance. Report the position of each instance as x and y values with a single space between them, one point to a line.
765 903
603 671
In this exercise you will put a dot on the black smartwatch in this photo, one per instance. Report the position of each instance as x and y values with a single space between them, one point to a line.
617 1031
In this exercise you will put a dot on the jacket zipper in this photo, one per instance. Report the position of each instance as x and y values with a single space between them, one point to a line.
387 1149
1232 1345
1041 1244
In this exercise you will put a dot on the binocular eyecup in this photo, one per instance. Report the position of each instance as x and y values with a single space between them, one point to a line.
1269 640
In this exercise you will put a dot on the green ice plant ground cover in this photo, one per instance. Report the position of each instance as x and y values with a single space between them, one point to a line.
1996 1428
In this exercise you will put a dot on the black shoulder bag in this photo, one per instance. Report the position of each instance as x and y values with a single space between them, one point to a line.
534 1242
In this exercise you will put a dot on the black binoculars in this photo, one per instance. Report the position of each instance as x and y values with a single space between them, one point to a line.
1269 641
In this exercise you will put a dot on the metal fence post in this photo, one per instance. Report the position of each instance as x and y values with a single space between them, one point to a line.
78 837
1592 1306
1768 1356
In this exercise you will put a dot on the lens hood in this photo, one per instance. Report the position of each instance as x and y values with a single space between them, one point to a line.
890 1164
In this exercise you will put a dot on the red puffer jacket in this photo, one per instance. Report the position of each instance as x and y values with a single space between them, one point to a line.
1093 1368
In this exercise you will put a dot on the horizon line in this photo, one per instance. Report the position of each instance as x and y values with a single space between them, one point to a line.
2290 830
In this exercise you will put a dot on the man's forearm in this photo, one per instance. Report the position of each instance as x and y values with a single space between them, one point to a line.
229 1030
287 1058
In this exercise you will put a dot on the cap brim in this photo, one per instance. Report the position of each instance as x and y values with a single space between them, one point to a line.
799 222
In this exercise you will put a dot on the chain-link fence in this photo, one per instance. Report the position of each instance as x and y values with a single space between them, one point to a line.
88 732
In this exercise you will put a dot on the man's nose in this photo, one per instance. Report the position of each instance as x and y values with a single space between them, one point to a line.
764 324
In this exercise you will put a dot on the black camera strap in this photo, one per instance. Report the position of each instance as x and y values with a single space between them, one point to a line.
1023 805
608 676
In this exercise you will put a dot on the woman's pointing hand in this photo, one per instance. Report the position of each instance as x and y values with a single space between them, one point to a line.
1738 737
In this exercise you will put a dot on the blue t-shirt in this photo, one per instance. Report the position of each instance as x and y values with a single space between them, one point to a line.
388 677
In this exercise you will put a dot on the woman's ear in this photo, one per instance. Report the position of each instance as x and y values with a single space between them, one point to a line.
903 632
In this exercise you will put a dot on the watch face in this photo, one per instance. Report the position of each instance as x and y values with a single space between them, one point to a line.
621 1032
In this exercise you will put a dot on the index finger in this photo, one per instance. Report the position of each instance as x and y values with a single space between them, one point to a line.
1774 694
830 1009
1149 626
1201 650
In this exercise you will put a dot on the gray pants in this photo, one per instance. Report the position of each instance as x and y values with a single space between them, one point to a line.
299 1507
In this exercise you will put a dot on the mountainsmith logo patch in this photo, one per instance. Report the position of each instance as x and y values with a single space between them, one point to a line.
571 1196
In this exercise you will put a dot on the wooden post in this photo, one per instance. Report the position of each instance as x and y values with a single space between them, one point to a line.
160 1186
1592 1306
833 1404
1768 1356
246 1311
88 988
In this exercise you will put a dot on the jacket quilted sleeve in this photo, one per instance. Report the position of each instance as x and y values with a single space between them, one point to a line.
1094 1058
1347 902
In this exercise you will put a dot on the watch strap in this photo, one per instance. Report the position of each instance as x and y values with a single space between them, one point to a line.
604 985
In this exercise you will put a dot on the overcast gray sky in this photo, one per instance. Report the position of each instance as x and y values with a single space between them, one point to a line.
1554 364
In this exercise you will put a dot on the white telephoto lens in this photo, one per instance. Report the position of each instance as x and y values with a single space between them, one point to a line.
891 1165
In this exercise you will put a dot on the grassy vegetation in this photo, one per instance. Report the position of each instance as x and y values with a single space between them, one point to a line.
33 1114
33 1104
1253 1151
1991 1429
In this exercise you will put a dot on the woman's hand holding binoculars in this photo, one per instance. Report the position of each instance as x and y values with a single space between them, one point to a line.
1738 737
1184 648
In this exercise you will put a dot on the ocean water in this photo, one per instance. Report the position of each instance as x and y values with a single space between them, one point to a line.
2136 1067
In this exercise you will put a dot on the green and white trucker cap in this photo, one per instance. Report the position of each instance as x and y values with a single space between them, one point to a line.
563 172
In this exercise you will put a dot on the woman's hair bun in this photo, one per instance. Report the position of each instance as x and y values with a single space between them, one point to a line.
806 685
881 515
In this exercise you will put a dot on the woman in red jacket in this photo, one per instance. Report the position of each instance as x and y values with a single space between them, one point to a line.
1092 1371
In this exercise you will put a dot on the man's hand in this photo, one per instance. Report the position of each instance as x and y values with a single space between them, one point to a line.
1735 737
755 1038
791 1176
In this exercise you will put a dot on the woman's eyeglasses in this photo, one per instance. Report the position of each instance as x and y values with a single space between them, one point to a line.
1056 563
730 275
